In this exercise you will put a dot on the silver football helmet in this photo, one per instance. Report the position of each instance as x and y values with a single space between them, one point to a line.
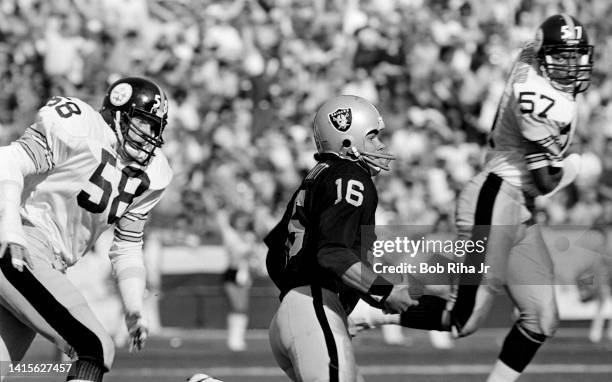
348 126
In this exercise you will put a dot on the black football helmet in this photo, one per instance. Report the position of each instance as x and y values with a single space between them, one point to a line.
564 54
136 98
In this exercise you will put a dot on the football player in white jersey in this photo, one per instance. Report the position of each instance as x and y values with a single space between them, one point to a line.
73 174
526 157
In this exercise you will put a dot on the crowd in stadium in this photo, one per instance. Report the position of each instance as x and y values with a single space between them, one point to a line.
245 77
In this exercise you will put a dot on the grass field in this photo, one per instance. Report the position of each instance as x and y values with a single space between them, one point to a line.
177 354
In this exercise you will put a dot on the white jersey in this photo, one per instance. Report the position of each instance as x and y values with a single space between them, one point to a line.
81 186
533 127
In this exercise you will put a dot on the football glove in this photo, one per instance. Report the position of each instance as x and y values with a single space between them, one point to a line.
19 255
138 331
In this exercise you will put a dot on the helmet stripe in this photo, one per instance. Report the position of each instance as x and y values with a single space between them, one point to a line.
570 24
162 103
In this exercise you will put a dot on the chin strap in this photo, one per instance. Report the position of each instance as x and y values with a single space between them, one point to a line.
369 158
117 127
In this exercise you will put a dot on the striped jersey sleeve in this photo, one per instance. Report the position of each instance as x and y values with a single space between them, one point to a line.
48 140
130 227
34 142
543 132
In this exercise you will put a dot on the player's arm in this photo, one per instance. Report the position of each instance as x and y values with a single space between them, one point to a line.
539 127
551 172
16 165
129 272
127 260
553 175
339 226
127 263
31 154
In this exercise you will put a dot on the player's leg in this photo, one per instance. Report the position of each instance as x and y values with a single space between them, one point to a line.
309 337
46 301
280 339
499 216
15 339
490 210
530 285
237 292
480 207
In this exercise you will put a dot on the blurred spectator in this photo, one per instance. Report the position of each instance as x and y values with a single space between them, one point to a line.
246 76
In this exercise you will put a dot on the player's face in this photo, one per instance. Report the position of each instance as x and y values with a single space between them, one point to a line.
138 143
568 68
565 59
373 144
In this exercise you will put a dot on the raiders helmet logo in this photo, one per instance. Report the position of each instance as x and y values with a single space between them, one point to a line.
341 119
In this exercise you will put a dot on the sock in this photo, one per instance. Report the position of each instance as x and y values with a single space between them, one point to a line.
236 326
83 370
464 305
503 373
519 348
427 315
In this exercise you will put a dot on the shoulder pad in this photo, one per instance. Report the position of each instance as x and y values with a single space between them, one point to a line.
159 171
70 117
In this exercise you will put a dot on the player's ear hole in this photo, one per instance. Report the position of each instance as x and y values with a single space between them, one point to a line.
346 143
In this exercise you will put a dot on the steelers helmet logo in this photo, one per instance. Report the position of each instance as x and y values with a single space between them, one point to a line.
341 119
121 94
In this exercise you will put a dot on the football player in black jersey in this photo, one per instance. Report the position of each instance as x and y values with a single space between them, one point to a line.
315 250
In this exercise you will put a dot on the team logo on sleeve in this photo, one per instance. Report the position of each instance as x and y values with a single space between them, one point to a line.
121 94
341 119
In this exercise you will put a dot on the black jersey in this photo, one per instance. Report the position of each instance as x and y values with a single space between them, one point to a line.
323 219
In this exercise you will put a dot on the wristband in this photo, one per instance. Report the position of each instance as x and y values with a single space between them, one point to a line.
380 287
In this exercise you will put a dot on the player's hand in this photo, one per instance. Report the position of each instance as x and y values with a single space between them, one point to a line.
19 255
399 300
138 331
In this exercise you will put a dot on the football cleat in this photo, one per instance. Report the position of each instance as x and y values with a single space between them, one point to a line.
564 54
365 316
202 378
441 340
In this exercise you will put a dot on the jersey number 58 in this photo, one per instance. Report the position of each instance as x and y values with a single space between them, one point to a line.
104 178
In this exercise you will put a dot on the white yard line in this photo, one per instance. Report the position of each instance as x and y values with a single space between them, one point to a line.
271 371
